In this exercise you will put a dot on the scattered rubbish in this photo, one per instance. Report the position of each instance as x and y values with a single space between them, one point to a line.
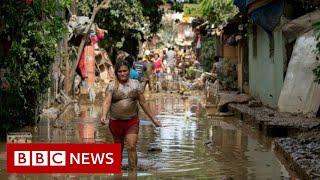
50 113
19 137
255 103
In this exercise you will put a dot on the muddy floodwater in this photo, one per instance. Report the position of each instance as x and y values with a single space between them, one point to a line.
189 146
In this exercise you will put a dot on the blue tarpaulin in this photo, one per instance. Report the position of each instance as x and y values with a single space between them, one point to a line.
265 13
241 4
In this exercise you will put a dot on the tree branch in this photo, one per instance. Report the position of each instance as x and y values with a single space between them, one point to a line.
103 5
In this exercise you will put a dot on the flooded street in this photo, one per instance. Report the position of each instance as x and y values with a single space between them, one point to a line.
190 145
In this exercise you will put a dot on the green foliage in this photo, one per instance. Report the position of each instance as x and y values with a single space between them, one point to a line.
190 73
317 32
176 5
126 19
192 10
218 11
151 10
167 31
34 31
9 106
316 71
86 6
208 52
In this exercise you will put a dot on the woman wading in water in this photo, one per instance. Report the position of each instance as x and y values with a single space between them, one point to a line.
121 101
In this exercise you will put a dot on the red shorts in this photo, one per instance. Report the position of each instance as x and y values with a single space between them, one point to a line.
120 128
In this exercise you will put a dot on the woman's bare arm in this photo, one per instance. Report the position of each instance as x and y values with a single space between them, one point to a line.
162 66
105 107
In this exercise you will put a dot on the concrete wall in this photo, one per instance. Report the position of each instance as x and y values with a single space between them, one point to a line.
266 66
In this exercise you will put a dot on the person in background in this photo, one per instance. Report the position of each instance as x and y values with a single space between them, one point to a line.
198 44
121 102
148 76
158 65
171 59
158 70
216 66
140 67
164 55
133 73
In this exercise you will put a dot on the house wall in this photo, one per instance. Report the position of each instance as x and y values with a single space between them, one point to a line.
266 66
240 67
230 52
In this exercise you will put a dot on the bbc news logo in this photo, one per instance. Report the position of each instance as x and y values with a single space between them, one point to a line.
64 158
39 158
58 158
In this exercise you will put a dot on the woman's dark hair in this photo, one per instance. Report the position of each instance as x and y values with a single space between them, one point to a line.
130 59
119 64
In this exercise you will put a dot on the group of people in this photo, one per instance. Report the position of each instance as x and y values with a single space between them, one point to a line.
150 67
153 66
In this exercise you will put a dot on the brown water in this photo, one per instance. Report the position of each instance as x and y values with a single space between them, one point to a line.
193 146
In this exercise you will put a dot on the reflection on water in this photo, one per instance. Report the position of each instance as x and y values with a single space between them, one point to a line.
192 145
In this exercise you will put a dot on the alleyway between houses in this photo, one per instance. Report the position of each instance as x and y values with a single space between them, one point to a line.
190 145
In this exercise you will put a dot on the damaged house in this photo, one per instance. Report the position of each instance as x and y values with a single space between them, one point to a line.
281 53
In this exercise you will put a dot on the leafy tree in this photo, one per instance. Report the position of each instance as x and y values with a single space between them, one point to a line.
126 18
177 6
33 29
125 22
150 9
192 10
208 53
217 11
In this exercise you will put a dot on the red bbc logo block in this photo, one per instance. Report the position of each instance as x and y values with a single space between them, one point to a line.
63 158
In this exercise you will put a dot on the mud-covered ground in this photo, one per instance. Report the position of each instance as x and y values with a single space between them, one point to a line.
303 153
300 136
274 123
